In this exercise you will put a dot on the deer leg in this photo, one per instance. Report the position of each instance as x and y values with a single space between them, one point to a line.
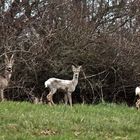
52 100
69 98
50 97
1 95
66 99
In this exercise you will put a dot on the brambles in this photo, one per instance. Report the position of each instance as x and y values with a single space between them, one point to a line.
48 36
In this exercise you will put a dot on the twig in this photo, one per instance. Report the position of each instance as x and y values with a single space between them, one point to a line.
86 77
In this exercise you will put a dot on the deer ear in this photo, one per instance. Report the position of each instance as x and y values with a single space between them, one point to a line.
80 67
6 58
12 58
73 67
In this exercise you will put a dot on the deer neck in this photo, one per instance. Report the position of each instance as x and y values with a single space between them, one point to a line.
75 79
8 75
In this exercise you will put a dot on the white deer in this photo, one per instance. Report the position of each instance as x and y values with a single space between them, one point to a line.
137 91
4 80
66 85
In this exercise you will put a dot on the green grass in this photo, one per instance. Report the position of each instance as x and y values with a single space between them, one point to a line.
25 121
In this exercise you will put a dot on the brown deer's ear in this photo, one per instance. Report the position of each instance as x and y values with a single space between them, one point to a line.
6 58
80 67
12 58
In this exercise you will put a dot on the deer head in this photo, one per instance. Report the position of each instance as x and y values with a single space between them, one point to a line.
8 66
76 70
9 63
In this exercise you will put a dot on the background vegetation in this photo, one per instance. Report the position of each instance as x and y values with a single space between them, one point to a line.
48 36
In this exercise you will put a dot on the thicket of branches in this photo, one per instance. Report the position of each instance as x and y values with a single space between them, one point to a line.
48 36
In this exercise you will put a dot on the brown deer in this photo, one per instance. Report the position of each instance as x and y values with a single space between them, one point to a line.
138 104
4 80
68 86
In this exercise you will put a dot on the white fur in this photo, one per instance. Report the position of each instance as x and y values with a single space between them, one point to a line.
61 84
49 81
137 91
67 85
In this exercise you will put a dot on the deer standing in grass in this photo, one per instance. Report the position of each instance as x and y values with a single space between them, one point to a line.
66 85
4 80
138 104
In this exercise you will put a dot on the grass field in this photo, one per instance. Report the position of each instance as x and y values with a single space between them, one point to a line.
25 121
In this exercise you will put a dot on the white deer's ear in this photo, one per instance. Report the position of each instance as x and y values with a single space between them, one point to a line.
73 67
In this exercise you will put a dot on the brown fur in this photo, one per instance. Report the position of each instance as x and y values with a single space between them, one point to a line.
138 104
4 80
